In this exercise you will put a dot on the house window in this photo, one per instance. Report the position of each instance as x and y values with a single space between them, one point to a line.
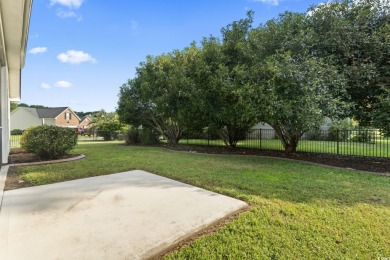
68 116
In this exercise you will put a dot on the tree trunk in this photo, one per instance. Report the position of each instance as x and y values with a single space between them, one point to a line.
173 134
292 146
231 135
170 130
289 140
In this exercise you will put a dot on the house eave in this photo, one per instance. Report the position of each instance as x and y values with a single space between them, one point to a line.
15 19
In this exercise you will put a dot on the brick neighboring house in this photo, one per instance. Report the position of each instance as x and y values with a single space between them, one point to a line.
25 117
85 122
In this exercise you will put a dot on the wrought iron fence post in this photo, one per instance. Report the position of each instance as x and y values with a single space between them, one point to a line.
338 140
208 136
260 138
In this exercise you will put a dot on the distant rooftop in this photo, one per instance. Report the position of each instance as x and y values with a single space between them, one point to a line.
51 112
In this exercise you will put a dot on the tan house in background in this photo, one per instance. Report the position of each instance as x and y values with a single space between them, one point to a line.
25 117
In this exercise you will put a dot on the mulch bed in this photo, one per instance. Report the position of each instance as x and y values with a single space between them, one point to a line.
371 164
22 156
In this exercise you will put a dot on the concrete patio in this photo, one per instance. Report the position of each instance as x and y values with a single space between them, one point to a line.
130 215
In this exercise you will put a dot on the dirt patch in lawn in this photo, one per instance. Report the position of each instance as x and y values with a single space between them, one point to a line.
22 157
380 166
14 181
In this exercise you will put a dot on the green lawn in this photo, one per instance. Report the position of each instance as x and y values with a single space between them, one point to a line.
298 211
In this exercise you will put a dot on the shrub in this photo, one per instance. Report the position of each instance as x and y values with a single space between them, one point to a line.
108 129
149 136
335 134
133 136
49 142
16 132
314 135
363 136
106 134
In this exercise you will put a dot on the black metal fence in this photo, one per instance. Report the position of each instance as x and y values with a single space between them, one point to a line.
368 143
14 141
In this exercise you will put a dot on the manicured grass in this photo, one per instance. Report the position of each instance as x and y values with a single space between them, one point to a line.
299 211
381 147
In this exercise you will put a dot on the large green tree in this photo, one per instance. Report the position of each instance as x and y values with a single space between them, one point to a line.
354 36
295 90
296 95
290 72
225 100
158 95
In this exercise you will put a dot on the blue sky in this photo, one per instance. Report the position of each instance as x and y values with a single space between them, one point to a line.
81 51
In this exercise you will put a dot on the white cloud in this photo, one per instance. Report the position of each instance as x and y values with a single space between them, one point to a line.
45 85
68 14
71 5
38 50
76 57
63 84
65 14
270 2
75 4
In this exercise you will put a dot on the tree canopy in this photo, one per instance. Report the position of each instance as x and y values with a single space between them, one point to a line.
290 72
354 36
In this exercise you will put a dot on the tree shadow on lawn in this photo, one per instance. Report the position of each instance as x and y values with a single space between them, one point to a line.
300 183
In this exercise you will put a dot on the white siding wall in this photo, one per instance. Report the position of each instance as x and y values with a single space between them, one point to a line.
49 121
22 119
266 134
262 126
4 107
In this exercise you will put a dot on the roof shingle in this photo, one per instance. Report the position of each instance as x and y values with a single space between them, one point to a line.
51 112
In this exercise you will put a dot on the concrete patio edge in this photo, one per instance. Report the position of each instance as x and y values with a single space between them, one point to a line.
159 253
3 177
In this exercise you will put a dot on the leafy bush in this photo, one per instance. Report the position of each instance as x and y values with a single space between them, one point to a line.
108 129
16 132
149 136
336 134
314 135
106 134
49 142
339 130
363 136
133 136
